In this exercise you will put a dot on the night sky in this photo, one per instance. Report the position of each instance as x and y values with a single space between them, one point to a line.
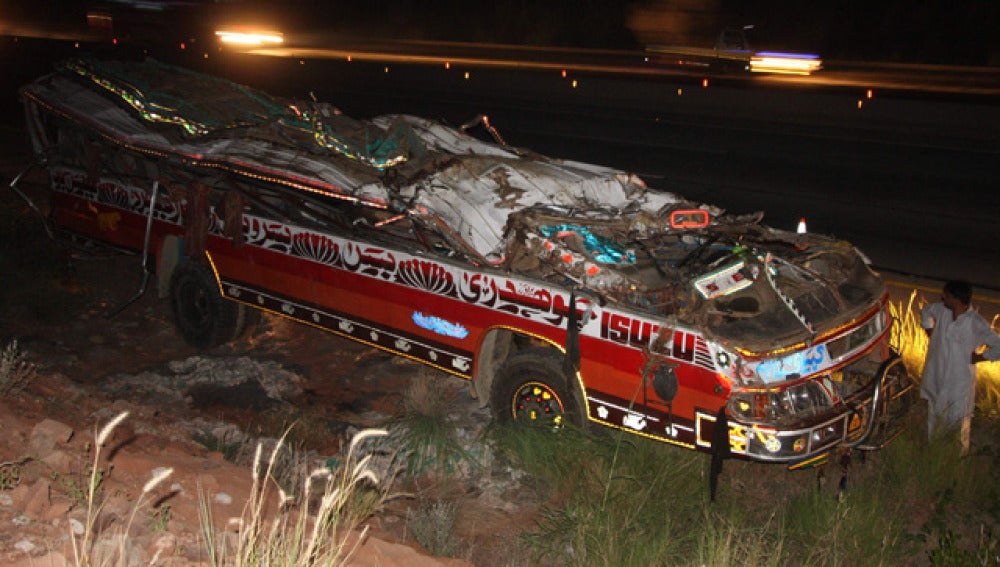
915 31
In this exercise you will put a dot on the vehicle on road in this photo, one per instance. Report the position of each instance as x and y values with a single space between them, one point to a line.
732 53
564 292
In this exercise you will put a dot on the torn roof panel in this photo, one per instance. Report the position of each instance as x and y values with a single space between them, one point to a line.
474 194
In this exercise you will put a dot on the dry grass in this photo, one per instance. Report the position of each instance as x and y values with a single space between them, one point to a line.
276 528
114 549
312 528
428 395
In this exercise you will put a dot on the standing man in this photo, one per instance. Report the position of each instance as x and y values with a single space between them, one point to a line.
949 379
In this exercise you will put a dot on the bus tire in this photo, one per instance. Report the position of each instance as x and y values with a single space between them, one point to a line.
531 387
204 318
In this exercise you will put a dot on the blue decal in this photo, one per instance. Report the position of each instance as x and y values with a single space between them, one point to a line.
440 326
815 359
804 362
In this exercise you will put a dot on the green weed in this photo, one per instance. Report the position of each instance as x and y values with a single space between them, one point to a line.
160 518
618 500
10 474
952 552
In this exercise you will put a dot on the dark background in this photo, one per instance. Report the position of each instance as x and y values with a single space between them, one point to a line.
914 31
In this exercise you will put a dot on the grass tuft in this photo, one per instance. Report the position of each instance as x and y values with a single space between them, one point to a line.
426 435
16 373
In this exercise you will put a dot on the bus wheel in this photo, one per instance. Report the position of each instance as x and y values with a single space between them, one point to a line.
531 387
205 318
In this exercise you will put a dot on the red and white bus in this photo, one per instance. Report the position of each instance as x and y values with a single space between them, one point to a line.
563 291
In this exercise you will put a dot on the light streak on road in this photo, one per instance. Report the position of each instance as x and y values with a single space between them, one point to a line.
247 37
47 32
450 61
785 63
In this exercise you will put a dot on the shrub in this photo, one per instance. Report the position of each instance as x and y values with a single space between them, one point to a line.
433 526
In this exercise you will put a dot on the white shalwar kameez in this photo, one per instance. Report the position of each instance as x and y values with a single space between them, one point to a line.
949 378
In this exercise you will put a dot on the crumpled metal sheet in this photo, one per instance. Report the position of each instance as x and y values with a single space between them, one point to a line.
474 194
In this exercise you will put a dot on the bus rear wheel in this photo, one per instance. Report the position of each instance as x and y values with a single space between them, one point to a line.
204 318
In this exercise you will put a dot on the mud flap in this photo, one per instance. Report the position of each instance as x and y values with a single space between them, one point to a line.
720 450
571 362
171 254
196 221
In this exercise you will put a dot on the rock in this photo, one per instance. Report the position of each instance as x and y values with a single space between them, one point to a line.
47 434
104 522
59 461
184 366
24 546
38 500
375 552
19 496
57 509
239 381
135 464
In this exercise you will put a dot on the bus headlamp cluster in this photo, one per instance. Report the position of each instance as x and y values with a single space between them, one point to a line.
780 406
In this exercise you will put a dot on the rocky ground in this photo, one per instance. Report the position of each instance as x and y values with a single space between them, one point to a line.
197 413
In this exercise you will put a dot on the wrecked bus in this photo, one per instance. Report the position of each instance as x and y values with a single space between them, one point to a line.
563 291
